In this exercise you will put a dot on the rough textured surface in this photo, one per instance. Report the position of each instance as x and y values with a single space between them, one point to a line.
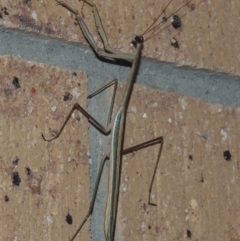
212 87
196 188
48 180
208 36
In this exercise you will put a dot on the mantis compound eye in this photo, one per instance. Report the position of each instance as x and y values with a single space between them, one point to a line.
137 40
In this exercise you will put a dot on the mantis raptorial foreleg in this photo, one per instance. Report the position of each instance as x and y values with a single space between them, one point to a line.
107 52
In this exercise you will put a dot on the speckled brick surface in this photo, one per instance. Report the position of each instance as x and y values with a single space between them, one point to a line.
196 187
43 181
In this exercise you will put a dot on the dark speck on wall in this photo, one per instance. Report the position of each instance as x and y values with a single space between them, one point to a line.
227 155
69 219
16 179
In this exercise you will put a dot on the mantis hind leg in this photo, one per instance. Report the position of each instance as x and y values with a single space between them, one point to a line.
90 210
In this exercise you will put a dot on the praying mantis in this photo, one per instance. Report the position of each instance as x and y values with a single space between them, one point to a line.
115 126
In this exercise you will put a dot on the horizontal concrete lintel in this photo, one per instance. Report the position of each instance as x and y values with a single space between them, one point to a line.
216 88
